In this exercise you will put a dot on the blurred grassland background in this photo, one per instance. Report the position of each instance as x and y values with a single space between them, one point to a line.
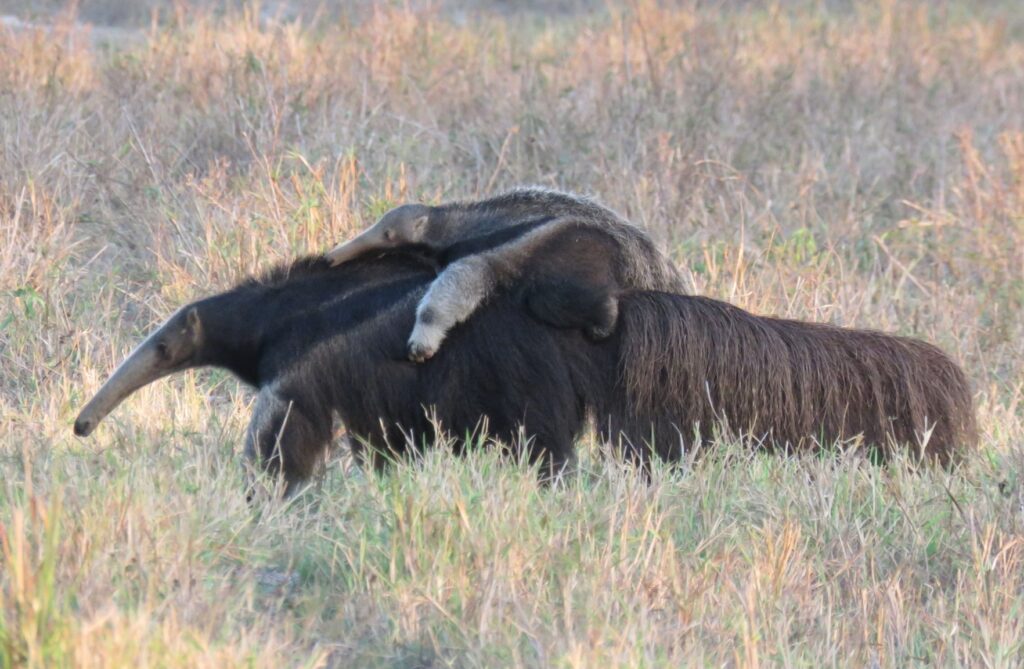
860 163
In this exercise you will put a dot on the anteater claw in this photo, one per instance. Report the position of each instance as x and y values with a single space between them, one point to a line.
597 333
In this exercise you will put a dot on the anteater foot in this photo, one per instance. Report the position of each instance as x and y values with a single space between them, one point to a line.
599 332
420 352
603 326
424 343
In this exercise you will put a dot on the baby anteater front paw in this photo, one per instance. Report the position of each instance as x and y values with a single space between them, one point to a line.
420 353
424 342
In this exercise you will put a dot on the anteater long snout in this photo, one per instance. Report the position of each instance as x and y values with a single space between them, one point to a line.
141 368
353 248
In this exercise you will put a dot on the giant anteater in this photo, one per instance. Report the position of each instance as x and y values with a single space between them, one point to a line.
321 342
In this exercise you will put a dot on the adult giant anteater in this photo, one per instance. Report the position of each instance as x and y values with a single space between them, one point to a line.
321 342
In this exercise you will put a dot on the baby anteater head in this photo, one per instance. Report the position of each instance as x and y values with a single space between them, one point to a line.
402 225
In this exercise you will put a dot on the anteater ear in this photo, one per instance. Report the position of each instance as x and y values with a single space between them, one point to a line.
193 324
419 226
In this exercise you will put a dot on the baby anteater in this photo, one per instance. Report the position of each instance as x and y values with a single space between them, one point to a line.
486 245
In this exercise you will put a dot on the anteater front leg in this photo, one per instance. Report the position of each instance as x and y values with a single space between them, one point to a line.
285 439
451 299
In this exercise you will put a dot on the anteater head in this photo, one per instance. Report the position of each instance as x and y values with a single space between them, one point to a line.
399 227
174 346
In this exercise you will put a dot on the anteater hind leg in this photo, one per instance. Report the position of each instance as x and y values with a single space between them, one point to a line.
285 440
574 305
451 299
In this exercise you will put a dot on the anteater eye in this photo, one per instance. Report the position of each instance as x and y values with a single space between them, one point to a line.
162 350
389 235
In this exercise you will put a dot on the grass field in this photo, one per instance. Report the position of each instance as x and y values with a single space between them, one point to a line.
857 163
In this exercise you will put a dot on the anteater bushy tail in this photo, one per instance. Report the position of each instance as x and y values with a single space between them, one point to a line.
689 361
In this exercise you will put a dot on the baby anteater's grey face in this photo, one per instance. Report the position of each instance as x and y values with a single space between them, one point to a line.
402 225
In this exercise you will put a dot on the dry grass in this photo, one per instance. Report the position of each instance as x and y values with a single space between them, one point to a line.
863 166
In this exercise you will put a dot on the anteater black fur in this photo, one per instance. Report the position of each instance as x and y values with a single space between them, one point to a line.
322 343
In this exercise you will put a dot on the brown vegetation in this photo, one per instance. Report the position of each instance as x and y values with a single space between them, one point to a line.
860 164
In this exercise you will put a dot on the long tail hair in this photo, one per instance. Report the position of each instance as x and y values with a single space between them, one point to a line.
687 361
